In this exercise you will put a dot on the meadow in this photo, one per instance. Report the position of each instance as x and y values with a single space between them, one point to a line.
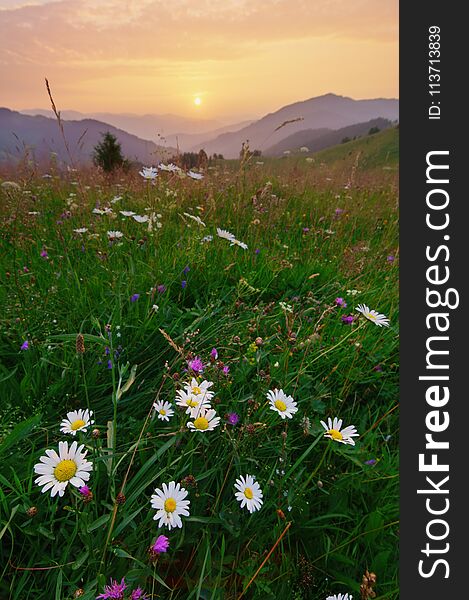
111 313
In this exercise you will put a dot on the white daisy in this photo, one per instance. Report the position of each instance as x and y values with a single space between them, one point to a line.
141 219
127 213
339 597
188 401
115 235
372 315
116 199
150 173
281 403
171 168
226 235
334 431
200 389
56 471
198 220
81 230
195 175
205 419
169 504
164 410
77 420
249 493
240 244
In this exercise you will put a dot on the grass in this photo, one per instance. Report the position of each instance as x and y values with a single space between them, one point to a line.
327 515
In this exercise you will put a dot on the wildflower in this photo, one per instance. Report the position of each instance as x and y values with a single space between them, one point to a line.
353 292
225 370
257 251
164 410
370 462
171 168
44 254
390 258
347 319
109 364
138 594
115 235
77 420
373 316
190 401
341 302
340 597
281 403
232 418
198 220
86 493
169 504
115 591
161 289
206 239
25 345
57 470
149 173
226 235
127 213
161 545
206 420
196 364
183 284
134 297
334 431
249 493
286 307
238 243
81 230
141 218
195 175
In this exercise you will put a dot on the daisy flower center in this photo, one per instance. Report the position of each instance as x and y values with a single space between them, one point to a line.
191 403
65 470
248 493
162 412
196 391
370 316
77 424
280 405
170 505
201 423
335 435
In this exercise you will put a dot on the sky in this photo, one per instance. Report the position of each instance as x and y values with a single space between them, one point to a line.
208 59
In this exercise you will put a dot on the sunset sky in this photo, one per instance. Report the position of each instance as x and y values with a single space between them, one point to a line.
239 58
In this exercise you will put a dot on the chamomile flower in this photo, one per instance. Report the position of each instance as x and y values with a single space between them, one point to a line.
81 230
169 504
281 403
195 175
339 597
149 173
200 389
77 420
127 213
249 493
190 402
372 315
334 431
242 245
164 410
115 235
140 218
226 235
56 471
204 419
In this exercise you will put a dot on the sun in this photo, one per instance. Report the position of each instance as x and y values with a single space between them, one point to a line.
197 101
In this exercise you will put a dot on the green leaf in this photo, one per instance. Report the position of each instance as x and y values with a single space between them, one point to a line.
21 431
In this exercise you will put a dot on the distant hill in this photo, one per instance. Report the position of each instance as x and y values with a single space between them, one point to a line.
157 128
318 139
329 111
41 136
380 150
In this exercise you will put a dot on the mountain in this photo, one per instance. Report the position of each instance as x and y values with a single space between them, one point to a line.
158 128
41 136
329 111
318 139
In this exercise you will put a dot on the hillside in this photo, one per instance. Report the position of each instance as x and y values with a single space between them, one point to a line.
319 139
380 150
41 136
329 111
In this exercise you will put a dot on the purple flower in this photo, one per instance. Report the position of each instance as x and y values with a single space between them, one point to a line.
196 364
161 544
138 594
134 297
44 253
378 368
109 364
25 345
186 269
339 211
161 289
232 418
214 353
348 319
257 251
115 591
341 302
372 461
183 283
86 493
390 258
305 229
226 370
107 351
25 269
